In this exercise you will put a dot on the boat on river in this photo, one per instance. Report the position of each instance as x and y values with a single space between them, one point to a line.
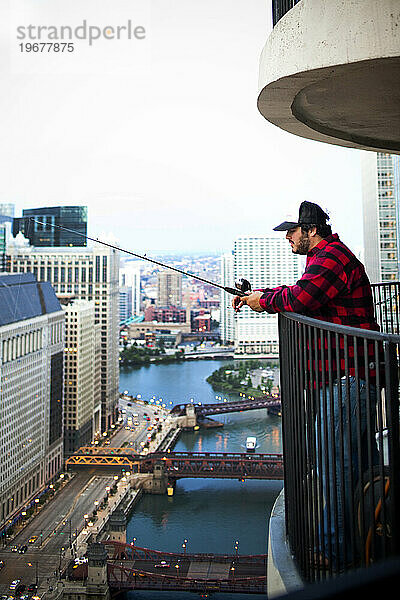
251 444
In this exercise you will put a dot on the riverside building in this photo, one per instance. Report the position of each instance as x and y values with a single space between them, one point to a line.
31 391
89 274
266 261
82 391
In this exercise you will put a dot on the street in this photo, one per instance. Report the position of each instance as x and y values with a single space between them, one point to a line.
57 524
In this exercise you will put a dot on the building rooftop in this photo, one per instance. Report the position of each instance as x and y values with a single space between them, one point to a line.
22 297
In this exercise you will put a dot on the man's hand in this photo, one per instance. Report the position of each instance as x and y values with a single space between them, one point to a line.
252 300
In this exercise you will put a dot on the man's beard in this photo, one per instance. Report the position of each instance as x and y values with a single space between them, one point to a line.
303 245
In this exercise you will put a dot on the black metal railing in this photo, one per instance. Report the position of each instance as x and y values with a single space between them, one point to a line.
387 305
340 418
280 8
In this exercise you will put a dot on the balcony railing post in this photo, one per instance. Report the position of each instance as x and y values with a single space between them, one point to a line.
392 406
280 8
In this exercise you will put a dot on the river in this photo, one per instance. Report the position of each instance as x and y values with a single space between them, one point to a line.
212 514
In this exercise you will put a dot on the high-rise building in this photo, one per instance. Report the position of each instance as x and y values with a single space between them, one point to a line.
227 319
266 261
3 246
6 219
86 274
31 392
169 288
129 281
82 391
381 210
39 225
125 303
7 210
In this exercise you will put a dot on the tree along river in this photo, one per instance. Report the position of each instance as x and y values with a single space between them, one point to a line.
211 514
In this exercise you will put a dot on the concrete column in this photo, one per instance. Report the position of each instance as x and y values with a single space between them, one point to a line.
97 584
159 484
117 526
191 419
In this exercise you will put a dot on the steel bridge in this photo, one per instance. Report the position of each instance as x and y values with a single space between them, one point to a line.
217 465
131 567
218 408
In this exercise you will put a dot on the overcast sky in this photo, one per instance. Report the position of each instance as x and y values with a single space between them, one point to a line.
160 137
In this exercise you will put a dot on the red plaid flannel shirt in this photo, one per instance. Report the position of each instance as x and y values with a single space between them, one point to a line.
334 288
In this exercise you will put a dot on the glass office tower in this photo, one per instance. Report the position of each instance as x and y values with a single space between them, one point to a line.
37 224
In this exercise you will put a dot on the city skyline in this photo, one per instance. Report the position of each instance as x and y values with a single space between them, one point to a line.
161 138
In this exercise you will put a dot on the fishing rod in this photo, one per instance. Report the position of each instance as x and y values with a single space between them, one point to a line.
242 286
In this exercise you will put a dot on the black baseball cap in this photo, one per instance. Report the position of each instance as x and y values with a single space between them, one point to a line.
309 214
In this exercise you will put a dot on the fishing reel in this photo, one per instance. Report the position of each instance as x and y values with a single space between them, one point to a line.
242 287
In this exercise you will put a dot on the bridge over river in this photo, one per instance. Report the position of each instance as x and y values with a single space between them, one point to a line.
202 410
130 567
175 465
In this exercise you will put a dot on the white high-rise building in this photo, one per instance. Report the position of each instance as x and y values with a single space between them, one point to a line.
82 383
86 274
227 318
129 281
381 210
31 391
266 261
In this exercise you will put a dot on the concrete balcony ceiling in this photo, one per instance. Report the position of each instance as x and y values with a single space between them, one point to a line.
330 71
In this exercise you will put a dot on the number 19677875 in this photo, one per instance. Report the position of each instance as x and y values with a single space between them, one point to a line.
47 47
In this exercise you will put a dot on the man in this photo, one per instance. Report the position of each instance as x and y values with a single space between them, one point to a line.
335 288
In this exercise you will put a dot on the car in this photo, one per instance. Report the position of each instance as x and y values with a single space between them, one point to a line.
33 539
22 549
14 584
32 587
24 597
14 549
162 565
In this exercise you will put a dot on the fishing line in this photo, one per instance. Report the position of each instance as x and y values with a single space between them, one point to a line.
240 289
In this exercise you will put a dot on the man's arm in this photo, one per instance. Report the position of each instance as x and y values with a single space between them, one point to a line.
322 281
